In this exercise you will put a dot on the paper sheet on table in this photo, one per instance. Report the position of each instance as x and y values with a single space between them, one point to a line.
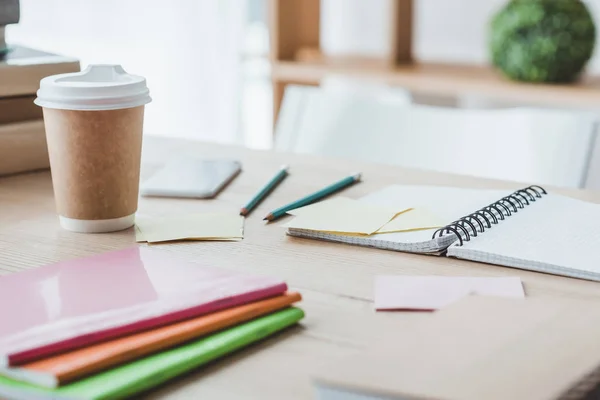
342 215
433 292
412 220
139 236
210 226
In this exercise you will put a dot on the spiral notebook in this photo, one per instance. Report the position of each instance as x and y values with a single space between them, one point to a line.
527 228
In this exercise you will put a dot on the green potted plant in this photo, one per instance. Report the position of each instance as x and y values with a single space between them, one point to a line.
542 40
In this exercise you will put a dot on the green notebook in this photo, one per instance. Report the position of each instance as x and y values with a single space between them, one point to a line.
151 371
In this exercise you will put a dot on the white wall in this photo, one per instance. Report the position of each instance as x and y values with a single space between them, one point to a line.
189 54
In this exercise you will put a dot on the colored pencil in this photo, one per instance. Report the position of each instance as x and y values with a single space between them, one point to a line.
262 194
335 187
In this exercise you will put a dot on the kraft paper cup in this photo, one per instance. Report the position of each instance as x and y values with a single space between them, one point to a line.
94 122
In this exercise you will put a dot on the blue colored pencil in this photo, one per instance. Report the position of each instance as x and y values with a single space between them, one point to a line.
258 197
281 211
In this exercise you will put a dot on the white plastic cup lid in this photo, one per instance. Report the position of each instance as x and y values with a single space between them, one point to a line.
98 87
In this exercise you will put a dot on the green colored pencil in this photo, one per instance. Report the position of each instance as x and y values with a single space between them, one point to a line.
272 184
280 212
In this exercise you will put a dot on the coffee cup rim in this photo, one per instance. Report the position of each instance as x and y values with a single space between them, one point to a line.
98 87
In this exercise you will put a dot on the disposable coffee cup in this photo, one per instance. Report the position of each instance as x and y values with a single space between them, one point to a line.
94 122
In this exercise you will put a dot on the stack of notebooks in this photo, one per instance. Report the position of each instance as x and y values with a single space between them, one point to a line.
22 137
528 228
117 324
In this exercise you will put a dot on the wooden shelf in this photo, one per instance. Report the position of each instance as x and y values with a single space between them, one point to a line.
445 80
296 58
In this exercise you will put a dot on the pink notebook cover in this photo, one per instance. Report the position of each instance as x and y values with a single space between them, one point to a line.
74 303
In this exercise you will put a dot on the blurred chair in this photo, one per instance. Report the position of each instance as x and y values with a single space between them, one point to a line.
546 147
374 89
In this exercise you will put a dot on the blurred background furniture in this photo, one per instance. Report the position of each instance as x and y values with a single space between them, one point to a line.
376 89
22 136
549 147
297 57
10 13
239 53
223 48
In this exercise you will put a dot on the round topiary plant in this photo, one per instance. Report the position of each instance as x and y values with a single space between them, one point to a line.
542 40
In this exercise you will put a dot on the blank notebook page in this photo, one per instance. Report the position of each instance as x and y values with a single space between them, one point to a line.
555 234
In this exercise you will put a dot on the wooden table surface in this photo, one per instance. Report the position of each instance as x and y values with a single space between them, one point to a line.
336 280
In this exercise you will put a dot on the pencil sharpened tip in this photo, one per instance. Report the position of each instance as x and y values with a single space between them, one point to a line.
357 177
268 217
243 212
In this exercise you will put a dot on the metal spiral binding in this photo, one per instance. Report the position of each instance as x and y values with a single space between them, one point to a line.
484 218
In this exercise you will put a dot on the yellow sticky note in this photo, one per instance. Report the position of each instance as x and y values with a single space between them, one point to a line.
342 215
411 220
210 226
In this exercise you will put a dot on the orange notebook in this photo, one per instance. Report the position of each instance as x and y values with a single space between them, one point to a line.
57 370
